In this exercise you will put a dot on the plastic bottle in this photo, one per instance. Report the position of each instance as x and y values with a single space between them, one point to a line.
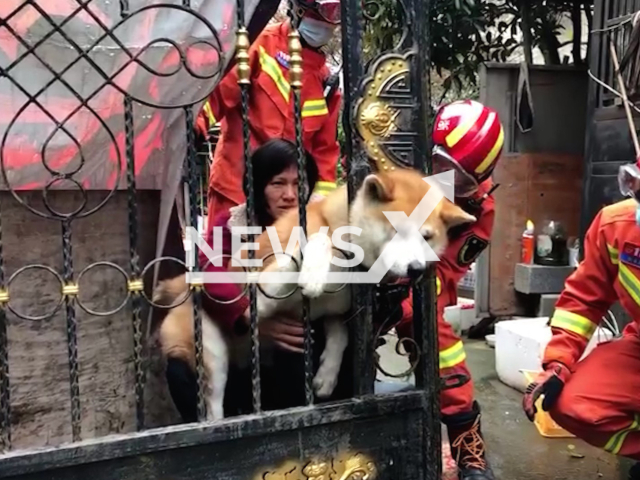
528 244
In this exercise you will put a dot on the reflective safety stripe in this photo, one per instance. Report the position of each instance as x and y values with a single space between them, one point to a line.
324 188
492 154
613 254
461 130
574 323
452 356
627 279
270 67
630 282
438 286
209 113
314 108
615 443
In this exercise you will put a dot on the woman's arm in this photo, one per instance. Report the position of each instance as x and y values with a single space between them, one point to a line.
225 311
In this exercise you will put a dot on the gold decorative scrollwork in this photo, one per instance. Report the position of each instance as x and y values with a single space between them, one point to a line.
379 119
383 113
316 471
359 467
344 467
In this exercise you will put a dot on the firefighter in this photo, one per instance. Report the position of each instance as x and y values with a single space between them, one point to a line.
468 138
271 109
596 398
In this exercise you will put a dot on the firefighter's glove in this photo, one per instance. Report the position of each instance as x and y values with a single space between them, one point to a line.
548 383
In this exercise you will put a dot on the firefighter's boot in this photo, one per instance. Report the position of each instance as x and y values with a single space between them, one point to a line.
467 445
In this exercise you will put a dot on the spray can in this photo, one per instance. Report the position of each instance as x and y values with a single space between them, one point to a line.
528 244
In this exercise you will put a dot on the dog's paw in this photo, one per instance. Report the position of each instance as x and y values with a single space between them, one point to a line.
312 283
316 265
215 413
325 381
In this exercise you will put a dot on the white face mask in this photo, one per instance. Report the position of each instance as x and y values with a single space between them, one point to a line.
315 32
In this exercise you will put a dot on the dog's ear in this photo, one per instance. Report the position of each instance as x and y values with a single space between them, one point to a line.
377 188
452 215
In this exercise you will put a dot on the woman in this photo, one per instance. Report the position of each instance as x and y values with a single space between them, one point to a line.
275 173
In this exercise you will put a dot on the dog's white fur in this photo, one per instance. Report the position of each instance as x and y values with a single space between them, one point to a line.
397 191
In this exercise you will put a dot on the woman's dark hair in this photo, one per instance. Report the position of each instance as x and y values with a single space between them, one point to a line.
271 159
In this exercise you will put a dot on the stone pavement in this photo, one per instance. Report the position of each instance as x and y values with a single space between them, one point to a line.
516 450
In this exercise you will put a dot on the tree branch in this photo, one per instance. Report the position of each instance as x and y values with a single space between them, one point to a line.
527 37
576 19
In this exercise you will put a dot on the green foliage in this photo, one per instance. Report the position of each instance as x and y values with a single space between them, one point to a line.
467 33
459 31
544 19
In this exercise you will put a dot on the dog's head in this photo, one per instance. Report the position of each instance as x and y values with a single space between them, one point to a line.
404 242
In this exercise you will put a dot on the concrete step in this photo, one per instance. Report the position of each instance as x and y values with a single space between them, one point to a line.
540 279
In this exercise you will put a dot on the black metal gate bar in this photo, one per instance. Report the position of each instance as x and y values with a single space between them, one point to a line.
361 330
196 290
424 294
244 81
295 52
135 284
70 291
5 396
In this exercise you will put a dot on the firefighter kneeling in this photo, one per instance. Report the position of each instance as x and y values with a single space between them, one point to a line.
597 398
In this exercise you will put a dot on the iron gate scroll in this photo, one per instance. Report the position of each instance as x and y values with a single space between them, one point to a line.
138 111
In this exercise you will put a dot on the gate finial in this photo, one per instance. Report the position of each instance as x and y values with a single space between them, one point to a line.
295 51
242 55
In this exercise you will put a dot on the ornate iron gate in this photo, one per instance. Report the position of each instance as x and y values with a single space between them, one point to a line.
369 436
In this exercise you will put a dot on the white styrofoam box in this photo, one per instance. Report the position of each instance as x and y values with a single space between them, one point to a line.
520 345
468 317
452 317
461 316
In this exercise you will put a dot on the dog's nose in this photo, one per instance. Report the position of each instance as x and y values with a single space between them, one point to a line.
415 269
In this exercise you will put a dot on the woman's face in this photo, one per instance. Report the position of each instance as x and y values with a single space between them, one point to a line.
281 192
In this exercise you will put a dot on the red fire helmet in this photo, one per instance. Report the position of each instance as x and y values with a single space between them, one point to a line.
468 138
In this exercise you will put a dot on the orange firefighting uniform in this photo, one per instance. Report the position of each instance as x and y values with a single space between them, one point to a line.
271 115
600 402
453 265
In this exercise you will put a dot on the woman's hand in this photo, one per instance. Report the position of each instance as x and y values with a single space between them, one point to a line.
286 333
